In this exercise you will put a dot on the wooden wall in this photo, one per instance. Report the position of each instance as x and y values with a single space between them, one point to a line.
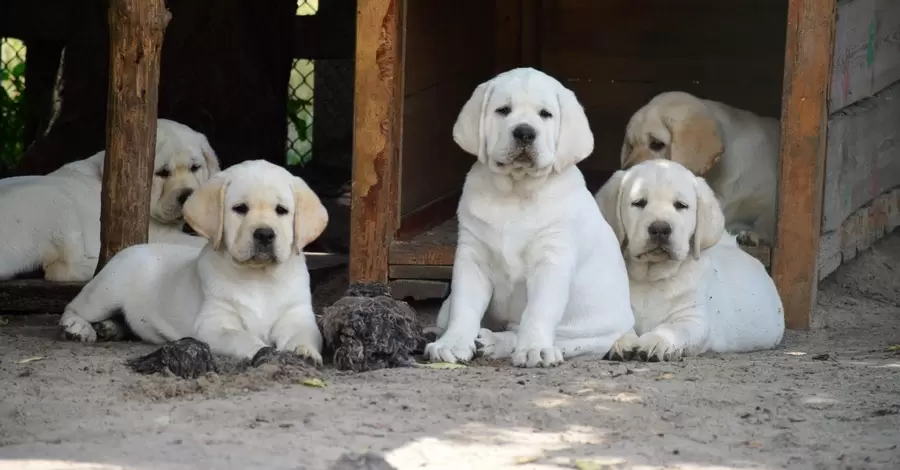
617 54
448 52
862 181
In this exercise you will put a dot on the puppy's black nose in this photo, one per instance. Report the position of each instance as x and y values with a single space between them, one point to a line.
183 197
264 235
524 133
659 230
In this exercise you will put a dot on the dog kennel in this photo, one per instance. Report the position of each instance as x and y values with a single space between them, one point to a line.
418 61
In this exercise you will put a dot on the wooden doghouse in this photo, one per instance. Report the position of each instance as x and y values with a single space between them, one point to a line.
417 62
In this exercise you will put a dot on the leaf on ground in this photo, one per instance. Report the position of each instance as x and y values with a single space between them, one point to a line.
894 347
666 376
31 359
313 382
527 459
440 365
598 464
4 321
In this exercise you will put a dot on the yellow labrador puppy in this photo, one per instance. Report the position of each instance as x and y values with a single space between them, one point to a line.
693 289
735 150
537 276
53 222
245 290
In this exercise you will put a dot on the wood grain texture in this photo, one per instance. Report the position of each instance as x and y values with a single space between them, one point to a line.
863 156
379 99
136 29
866 50
807 73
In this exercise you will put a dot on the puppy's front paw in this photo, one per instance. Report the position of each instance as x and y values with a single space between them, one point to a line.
537 356
652 347
499 345
75 328
432 333
623 349
450 349
748 238
310 353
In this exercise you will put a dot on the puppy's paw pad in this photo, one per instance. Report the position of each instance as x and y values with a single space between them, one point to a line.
748 238
432 333
75 328
537 357
450 350
623 349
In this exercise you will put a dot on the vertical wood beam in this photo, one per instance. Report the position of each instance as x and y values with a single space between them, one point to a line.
804 125
136 29
377 129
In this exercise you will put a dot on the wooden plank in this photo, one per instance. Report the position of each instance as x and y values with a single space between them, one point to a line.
419 289
413 271
866 50
807 68
507 35
136 30
428 216
863 156
379 66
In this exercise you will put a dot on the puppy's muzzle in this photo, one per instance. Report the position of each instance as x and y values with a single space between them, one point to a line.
659 232
183 196
524 137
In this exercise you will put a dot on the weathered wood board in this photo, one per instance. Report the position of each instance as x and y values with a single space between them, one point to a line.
863 158
866 50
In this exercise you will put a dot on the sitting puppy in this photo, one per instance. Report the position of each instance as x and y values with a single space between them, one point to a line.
53 221
247 289
534 258
693 289
735 150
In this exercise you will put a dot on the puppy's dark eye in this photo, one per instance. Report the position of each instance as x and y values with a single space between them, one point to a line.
680 206
503 110
281 210
163 173
195 168
241 209
656 145
640 203
545 114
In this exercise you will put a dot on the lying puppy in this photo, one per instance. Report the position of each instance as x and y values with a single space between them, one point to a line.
245 290
535 259
53 221
693 289
735 150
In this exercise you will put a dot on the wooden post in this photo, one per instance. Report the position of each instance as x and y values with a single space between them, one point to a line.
804 125
377 129
136 29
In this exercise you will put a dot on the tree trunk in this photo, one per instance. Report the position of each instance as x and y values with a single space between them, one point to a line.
136 29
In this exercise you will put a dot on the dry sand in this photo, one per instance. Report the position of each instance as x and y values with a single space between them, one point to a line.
828 398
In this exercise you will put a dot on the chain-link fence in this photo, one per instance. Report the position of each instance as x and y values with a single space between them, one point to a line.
12 113
300 100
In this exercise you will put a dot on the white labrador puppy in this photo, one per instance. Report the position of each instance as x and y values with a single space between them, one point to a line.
693 289
534 259
735 150
53 221
245 290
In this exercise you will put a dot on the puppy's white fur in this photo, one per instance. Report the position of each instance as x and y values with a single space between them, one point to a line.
697 292
735 150
235 294
53 221
535 260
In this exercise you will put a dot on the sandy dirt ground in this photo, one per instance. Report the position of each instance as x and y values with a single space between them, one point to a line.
827 398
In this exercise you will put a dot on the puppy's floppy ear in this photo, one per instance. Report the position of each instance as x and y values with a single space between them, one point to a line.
574 139
696 141
204 210
710 219
609 199
469 129
212 160
310 216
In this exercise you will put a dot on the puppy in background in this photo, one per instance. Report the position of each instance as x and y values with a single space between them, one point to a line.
537 276
52 222
735 150
248 288
693 289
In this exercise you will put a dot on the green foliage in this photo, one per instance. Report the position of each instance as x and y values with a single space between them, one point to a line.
12 120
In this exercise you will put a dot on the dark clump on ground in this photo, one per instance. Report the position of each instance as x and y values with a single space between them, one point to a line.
367 329
367 461
187 358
